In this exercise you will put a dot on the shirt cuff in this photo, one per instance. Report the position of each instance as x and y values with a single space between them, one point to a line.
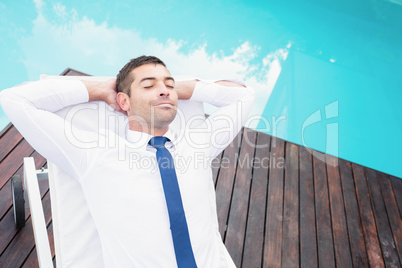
204 91
218 95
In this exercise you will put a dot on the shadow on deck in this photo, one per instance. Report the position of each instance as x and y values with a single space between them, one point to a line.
278 206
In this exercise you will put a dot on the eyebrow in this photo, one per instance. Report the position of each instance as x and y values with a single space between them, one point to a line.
153 78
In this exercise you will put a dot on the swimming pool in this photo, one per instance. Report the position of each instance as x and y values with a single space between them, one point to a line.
340 88
341 111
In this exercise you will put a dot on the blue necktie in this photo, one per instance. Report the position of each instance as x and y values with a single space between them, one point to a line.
178 223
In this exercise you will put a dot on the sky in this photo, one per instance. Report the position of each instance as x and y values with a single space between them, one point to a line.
246 40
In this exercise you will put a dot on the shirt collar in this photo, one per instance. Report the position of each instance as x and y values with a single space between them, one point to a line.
141 139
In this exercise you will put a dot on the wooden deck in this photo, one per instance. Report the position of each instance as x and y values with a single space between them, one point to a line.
278 206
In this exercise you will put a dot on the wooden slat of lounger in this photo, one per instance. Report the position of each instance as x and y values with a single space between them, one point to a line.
383 227
325 244
290 248
367 218
8 141
392 211
14 161
224 186
339 226
23 243
397 187
7 226
356 239
238 209
308 239
273 226
253 247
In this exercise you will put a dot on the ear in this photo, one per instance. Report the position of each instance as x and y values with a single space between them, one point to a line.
123 100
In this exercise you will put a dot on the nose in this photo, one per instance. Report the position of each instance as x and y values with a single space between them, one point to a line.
163 90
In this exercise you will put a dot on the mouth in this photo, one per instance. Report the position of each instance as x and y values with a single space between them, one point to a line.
164 104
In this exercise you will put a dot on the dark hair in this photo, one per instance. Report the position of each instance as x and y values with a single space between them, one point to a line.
125 78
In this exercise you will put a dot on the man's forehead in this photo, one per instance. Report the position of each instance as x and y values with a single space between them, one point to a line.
150 71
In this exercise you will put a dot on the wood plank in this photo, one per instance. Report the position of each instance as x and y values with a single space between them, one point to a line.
19 248
13 161
343 255
225 182
367 218
356 239
290 248
273 226
239 206
308 239
215 165
7 227
32 259
23 243
383 226
5 192
392 211
253 248
397 188
9 140
325 243
72 72
5 129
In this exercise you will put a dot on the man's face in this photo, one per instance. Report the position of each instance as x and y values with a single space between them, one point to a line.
153 100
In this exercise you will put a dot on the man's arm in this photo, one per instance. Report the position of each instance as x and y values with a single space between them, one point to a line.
31 108
234 100
185 89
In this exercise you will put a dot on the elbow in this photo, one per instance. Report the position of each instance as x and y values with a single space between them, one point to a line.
5 98
10 103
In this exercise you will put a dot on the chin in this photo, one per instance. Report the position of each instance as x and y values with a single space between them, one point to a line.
165 118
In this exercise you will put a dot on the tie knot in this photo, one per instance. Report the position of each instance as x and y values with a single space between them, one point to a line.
158 141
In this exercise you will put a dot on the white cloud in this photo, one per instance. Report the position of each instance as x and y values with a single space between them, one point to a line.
38 5
99 49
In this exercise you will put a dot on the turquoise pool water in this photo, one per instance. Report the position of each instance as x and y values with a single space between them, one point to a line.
341 111
340 89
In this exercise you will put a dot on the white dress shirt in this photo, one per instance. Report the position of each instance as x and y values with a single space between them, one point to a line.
120 176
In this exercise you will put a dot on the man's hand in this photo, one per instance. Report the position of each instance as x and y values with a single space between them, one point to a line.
103 91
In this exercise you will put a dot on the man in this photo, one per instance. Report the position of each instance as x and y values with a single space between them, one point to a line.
145 235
